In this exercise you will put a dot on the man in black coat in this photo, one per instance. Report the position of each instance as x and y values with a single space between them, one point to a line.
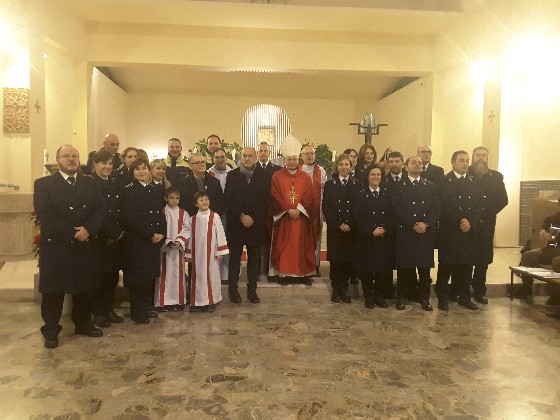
395 161
263 154
461 209
247 197
197 179
430 171
494 199
110 144
71 211
417 208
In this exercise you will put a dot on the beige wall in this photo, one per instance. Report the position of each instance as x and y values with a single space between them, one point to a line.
107 111
403 110
154 119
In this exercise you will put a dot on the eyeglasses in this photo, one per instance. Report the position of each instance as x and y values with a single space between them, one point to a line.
69 157
200 162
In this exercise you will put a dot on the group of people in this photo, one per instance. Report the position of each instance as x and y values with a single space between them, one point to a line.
146 218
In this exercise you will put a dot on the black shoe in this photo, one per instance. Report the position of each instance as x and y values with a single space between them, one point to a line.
317 273
334 297
369 303
90 331
197 309
481 299
523 292
426 306
225 282
210 308
51 342
115 319
400 306
345 298
443 305
253 298
141 320
469 304
283 281
152 314
235 297
102 321
380 301
308 281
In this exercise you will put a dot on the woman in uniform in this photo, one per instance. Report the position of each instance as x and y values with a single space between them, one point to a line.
145 229
374 245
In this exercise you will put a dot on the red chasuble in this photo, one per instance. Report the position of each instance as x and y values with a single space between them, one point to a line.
293 240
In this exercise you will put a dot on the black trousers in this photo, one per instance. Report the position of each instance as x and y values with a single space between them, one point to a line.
141 298
406 279
376 284
479 280
340 274
461 274
104 295
51 311
253 266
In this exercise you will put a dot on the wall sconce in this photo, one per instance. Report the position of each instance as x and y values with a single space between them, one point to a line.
368 127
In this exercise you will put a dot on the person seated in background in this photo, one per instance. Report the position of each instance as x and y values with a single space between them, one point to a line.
547 255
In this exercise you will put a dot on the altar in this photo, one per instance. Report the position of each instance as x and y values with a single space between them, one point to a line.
16 224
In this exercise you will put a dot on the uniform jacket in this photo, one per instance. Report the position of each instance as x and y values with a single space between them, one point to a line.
494 199
415 203
373 254
109 247
337 208
142 217
66 264
460 199
188 187
252 199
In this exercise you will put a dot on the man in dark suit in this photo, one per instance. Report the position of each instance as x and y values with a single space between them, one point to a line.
110 144
247 197
197 179
430 171
417 208
263 154
494 199
461 209
71 210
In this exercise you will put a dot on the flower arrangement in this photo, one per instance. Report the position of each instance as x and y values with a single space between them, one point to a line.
36 233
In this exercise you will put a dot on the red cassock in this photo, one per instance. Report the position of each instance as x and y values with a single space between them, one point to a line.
293 240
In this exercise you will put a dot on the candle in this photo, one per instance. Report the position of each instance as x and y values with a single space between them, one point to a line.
233 154
195 150
45 157
333 155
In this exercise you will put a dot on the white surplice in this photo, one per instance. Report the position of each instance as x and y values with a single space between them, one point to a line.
208 240
171 288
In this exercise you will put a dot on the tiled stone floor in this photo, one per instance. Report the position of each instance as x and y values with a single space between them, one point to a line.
294 356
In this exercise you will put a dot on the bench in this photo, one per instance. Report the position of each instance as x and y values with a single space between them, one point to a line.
535 273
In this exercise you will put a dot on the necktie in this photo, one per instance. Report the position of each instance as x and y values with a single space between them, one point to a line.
415 182
423 168
71 180
397 178
376 194
344 182
263 165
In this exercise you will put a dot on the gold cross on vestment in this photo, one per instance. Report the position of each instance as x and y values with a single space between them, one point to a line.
293 195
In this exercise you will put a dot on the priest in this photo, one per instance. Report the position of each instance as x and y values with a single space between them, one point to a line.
293 234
